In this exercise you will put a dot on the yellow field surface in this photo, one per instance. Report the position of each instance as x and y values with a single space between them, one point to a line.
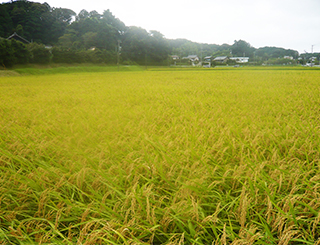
161 157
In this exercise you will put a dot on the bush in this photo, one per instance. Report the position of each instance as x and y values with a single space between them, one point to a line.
39 54
13 52
65 55
7 57
101 56
21 53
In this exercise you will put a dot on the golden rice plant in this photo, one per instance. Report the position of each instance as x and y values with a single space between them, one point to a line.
168 156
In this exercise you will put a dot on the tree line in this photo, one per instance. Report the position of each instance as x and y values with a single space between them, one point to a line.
60 35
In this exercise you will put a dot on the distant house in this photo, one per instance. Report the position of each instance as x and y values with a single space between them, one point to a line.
240 59
175 57
207 61
221 59
192 58
288 57
15 36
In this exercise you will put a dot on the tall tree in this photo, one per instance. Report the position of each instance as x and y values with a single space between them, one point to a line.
242 48
7 57
111 20
34 21
135 45
159 47
6 25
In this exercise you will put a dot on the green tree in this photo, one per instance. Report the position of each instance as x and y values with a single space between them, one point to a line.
91 30
267 53
107 37
34 21
158 48
6 25
242 48
39 54
7 58
90 39
83 14
68 39
142 47
117 24
95 15
56 23
65 55
13 52
21 53
135 45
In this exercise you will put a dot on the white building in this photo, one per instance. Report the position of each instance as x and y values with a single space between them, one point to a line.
240 59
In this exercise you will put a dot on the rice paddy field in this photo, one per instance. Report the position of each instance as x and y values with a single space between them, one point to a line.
160 156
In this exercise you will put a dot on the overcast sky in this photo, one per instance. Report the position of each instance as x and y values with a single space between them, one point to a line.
293 24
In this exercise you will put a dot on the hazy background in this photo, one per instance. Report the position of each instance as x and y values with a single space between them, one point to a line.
291 24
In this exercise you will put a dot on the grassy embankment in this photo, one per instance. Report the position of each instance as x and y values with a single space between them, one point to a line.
161 157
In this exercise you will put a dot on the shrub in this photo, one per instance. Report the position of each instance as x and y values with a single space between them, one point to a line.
21 53
39 53
7 58
65 55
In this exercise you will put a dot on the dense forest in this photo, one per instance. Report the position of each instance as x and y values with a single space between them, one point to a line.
60 35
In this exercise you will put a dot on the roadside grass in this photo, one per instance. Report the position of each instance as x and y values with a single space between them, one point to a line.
161 157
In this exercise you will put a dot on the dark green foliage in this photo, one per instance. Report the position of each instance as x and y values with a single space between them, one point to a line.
100 56
93 30
242 49
6 26
64 55
13 52
159 47
183 48
34 21
135 45
7 58
39 53
266 53
67 55
56 23
145 48
21 53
